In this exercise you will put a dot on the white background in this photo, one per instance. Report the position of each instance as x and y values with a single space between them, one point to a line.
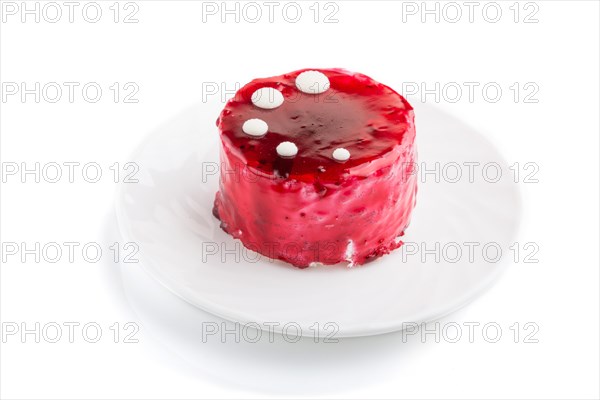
169 54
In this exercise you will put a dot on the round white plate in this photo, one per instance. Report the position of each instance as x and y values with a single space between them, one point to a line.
168 214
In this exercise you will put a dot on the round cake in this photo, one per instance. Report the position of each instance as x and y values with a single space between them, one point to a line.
317 166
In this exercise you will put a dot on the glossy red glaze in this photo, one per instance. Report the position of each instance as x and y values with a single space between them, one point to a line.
312 208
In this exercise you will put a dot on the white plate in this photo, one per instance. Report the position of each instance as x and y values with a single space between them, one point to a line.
169 215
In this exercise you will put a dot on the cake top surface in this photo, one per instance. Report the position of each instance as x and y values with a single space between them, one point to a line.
310 123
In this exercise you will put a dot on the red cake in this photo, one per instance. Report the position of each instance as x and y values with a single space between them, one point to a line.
316 167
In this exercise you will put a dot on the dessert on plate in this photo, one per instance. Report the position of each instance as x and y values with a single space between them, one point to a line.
317 167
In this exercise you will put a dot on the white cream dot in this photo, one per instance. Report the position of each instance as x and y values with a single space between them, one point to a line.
267 98
287 149
341 154
255 127
312 82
